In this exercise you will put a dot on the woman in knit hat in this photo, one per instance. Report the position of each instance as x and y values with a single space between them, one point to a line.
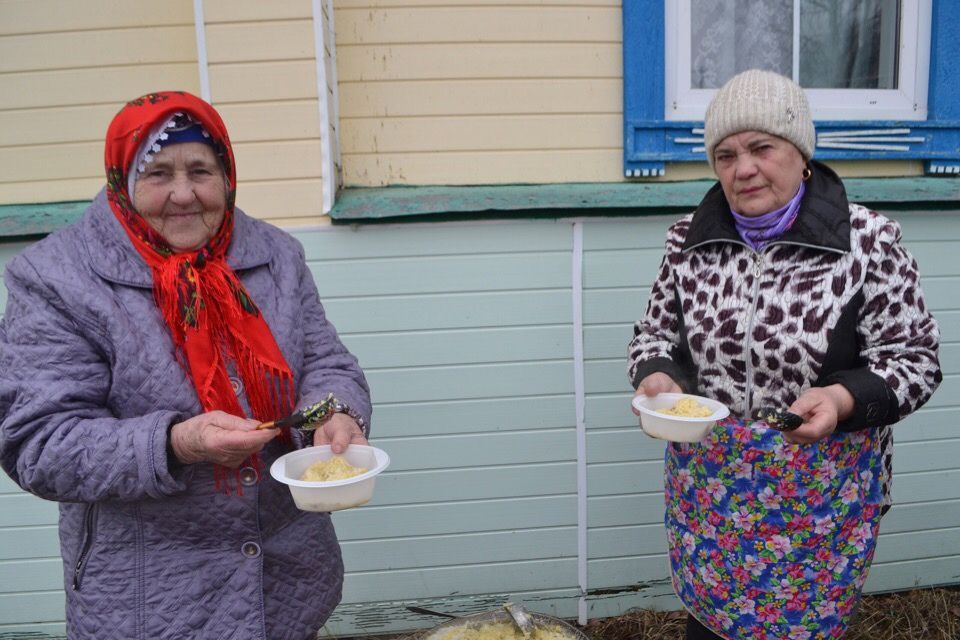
779 294
140 349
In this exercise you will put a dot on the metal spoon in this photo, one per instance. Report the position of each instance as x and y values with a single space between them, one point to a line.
518 614
521 618
779 419
431 612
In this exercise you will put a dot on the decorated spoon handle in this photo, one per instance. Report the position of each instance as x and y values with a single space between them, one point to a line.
780 419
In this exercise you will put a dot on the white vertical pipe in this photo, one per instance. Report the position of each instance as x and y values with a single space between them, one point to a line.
200 28
328 172
579 396
796 41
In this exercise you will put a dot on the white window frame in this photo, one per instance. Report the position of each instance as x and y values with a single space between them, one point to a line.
908 102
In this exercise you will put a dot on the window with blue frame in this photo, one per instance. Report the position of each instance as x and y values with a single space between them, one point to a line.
876 73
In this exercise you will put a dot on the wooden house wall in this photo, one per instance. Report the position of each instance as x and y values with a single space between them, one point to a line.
480 91
263 80
452 92
65 70
67 67
466 332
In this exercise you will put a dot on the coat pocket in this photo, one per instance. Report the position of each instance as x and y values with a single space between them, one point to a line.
86 543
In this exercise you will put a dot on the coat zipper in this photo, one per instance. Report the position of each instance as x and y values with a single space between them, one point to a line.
89 525
748 347
757 271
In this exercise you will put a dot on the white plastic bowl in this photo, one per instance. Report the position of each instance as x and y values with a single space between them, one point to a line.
336 494
676 428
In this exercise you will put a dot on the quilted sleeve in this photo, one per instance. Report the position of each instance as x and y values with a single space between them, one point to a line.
57 438
328 366
657 336
900 337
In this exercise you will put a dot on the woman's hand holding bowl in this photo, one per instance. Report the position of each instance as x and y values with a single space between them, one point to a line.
653 384
218 437
340 431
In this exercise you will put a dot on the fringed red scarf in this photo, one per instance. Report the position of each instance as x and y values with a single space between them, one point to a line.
211 317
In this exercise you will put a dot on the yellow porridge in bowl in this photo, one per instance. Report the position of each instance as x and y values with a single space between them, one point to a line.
687 408
336 468
500 631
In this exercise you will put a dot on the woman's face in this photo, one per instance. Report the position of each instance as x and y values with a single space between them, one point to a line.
759 172
182 194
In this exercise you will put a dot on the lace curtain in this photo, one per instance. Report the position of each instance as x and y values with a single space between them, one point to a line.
843 43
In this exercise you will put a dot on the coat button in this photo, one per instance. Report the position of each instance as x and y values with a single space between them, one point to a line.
250 549
248 476
237 385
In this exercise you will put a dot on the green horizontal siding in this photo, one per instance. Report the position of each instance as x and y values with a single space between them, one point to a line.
455 517
463 346
34 574
926 514
21 543
419 275
525 447
491 415
36 219
393 203
482 482
22 510
472 381
451 310
466 333
435 203
620 259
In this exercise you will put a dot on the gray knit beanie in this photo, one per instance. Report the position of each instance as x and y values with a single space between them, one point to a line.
758 100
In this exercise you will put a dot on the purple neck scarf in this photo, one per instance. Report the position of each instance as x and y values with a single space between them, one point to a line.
758 231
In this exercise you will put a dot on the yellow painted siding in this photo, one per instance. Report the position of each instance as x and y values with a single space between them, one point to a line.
263 83
466 24
85 49
57 16
490 92
110 86
62 161
54 125
480 167
431 92
479 92
233 42
282 201
482 133
374 4
65 70
51 190
263 80
256 122
224 11
383 100
443 61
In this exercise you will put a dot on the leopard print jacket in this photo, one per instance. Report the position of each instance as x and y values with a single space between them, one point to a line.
836 299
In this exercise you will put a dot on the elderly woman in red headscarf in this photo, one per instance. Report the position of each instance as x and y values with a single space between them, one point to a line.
140 349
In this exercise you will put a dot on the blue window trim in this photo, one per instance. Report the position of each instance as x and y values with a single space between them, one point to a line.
649 140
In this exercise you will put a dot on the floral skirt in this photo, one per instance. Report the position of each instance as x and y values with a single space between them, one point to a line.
769 539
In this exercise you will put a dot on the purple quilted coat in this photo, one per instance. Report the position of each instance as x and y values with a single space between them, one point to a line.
89 384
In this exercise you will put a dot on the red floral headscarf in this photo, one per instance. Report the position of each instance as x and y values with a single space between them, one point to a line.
211 317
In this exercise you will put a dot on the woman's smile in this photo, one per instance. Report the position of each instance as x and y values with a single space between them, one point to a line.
182 195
